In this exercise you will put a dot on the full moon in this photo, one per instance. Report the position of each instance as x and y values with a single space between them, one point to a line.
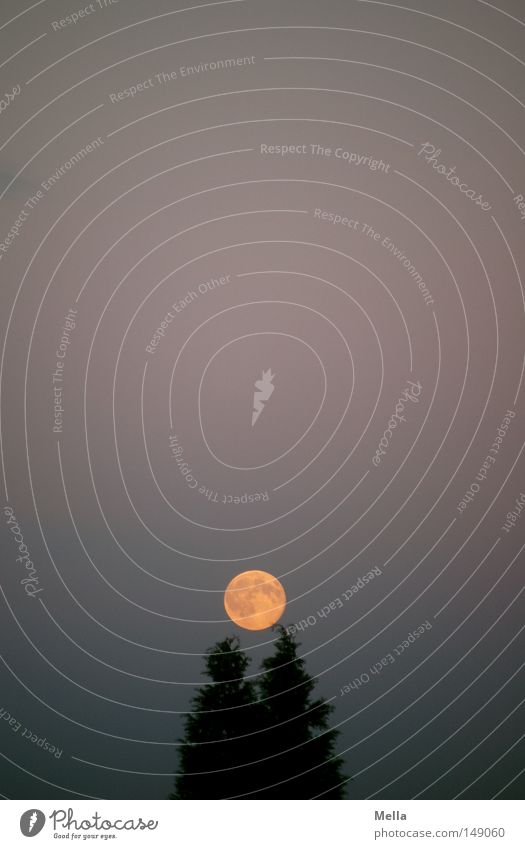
255 600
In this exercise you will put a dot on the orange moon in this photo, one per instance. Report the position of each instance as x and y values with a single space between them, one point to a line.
255 600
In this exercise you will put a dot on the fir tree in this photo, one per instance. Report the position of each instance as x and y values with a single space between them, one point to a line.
215 754
304 764
269 740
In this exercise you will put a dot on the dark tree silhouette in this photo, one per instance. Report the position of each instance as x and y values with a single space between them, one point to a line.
268 740
304 763
215 754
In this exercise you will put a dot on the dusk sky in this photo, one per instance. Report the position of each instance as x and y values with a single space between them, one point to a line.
262 308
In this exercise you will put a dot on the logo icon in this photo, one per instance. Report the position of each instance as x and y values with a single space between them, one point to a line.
32 822
264 389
